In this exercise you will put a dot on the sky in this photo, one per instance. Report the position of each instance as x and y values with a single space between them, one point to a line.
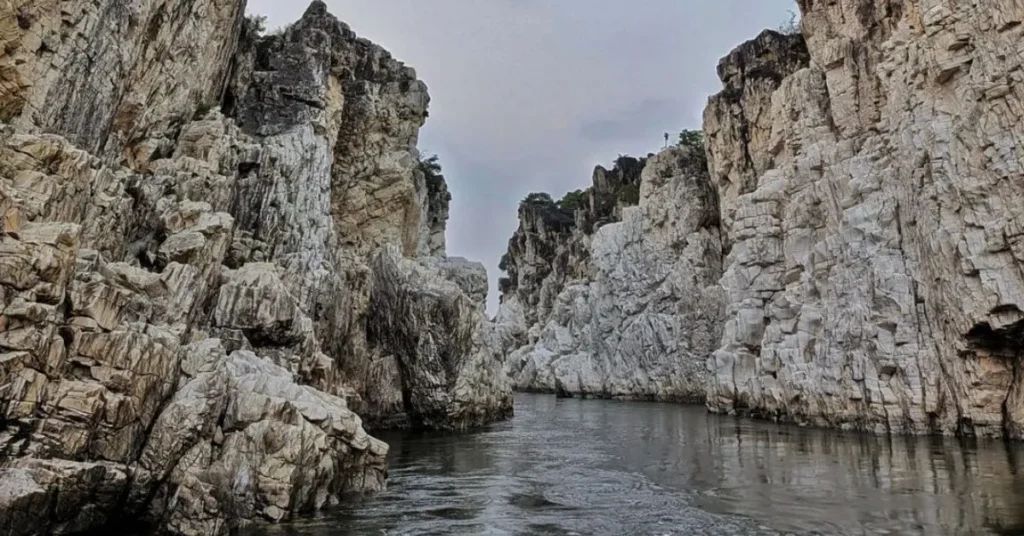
530 95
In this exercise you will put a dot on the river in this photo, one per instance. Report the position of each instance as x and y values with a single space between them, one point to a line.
591 467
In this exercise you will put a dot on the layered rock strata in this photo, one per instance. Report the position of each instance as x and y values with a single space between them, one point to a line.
217 251
874 276
866 172
552 245
640 320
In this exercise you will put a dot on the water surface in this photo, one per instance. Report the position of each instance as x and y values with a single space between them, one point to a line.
572 467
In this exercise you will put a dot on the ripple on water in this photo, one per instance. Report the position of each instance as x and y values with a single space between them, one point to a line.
570 467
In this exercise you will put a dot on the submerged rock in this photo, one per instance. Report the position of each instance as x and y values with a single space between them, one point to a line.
193 297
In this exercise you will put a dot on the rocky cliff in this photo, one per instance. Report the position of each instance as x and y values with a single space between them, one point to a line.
218 251
866 174
622 300
874 279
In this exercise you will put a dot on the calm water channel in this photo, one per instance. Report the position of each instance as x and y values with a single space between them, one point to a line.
564 467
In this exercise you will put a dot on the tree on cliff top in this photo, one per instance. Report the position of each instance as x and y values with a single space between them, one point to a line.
255 25
792 25
538 198
693 139
429 165
573 200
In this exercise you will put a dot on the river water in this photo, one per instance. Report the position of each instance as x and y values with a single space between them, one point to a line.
574 467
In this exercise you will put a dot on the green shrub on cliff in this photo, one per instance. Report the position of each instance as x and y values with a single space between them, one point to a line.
429 165
255 25
790 26
574 200
538 198
629 195
693 139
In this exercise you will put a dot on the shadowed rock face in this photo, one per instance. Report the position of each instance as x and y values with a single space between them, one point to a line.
874 276
200 264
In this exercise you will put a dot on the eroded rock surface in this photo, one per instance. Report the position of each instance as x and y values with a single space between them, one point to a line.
874 275
205 233
868 173
640 322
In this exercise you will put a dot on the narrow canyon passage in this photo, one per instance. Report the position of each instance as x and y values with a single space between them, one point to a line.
227 296
567 466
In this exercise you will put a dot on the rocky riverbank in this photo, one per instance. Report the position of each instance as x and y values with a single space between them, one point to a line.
220 256
864 174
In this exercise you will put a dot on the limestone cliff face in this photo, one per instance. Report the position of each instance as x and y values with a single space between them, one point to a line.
217 252
874 276
641 317
552 245
868 174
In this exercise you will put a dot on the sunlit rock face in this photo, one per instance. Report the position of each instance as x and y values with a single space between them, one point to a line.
639 315
218 256
869 187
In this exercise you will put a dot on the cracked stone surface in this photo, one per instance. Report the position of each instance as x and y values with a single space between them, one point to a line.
873 277
191 283
640 322
867 173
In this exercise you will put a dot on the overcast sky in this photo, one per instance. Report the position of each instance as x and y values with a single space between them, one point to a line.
530 95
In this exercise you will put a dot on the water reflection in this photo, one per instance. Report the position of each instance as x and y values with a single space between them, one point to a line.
592 467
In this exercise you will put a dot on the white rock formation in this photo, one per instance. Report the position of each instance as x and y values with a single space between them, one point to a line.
874 280
868 172
190 317
643 324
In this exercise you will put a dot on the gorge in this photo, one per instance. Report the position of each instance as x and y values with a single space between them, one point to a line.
857 210
224 272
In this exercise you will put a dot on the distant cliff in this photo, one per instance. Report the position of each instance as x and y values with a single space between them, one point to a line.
218 248
865 175
619 296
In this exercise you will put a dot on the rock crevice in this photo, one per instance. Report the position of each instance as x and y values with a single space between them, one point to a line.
872 282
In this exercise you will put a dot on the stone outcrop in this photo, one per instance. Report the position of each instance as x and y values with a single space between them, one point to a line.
874 276
552 245
639 316
218 252
866 174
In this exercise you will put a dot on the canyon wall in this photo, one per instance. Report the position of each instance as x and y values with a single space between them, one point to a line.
866 175
219 257
874 276
622 301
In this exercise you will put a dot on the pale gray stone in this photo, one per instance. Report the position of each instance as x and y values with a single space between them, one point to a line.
187 261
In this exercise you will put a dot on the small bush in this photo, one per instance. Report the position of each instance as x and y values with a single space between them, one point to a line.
629 195
538 198
429 165
574 200
693 139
